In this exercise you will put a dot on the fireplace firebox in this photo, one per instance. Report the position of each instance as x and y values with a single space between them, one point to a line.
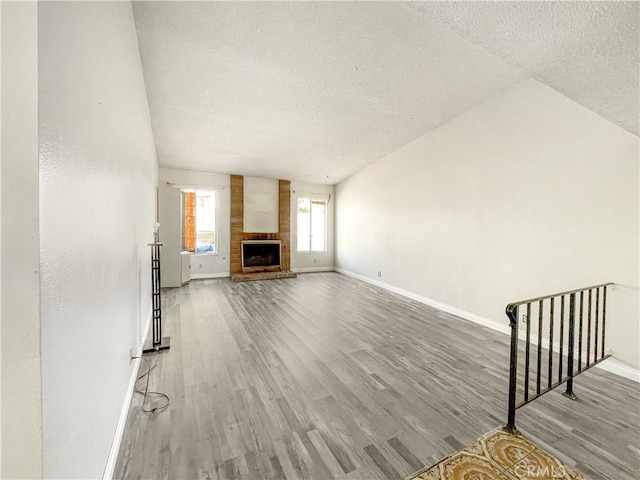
261 255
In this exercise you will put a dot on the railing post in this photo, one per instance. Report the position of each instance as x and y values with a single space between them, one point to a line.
512 313
572 310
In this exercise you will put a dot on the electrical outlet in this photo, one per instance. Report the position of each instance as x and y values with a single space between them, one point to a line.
380 274
314 260
524 319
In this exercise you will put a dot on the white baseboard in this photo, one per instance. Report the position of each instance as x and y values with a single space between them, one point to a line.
618 368
492 324
611 365
200 276
312 269
124 412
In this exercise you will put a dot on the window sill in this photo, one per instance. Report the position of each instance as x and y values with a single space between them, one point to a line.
187 252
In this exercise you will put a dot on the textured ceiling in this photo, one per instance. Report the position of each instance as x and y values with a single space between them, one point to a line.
316 91
587 51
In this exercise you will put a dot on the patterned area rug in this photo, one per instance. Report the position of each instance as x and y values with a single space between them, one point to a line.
501 456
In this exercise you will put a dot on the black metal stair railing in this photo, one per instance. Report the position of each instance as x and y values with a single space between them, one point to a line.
588 308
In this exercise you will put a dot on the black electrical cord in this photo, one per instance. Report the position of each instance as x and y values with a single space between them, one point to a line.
146 393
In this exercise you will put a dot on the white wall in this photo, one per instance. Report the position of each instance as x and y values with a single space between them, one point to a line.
261 205
21 423
98 174
313 261
524 195
169 218
202 265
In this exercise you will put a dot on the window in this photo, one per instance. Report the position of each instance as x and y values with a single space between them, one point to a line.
199 221
312 223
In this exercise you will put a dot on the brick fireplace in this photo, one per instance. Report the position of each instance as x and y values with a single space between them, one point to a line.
238 235
261 256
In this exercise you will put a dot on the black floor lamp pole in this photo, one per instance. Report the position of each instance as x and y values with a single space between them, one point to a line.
157 342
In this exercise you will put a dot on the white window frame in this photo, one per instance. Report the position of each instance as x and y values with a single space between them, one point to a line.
216 236
312 198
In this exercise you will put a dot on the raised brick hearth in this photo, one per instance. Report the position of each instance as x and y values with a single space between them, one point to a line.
238 234
250 277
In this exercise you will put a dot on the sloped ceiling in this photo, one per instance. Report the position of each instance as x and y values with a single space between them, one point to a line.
587 51
315 91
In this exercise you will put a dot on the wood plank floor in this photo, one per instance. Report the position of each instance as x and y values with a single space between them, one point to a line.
325 377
